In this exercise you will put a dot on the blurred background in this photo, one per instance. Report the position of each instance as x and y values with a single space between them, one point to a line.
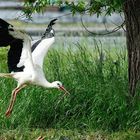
67 25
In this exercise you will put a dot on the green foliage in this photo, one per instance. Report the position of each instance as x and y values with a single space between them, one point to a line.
92 6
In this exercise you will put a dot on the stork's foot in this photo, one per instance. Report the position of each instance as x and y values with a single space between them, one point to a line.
8 113
40 138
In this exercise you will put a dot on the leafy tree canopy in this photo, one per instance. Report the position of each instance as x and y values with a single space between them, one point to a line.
90 6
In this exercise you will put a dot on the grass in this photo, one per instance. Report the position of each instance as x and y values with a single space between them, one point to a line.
61 134
97 80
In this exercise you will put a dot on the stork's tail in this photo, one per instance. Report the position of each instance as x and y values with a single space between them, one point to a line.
6 75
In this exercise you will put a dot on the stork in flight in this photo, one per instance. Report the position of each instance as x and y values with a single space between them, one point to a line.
25 60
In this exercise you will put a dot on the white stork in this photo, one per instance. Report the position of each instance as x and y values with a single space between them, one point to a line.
25 61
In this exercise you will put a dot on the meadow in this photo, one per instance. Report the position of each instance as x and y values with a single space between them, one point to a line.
94 71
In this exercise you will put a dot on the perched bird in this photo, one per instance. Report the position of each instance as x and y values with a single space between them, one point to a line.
25 61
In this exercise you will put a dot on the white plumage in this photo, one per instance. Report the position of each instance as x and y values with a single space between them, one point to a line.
41 51
27 67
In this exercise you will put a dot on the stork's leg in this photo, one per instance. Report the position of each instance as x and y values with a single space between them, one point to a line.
13 98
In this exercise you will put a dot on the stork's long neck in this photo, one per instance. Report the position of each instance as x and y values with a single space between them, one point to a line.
47 84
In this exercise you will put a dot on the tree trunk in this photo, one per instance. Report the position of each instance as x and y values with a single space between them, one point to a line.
132 19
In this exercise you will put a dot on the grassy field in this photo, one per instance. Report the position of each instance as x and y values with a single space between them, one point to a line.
99 107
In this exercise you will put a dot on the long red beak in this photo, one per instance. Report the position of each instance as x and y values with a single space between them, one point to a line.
62 88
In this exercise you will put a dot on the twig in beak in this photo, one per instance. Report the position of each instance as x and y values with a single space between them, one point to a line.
62 88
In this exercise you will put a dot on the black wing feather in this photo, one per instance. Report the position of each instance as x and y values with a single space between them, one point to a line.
35 45
4 24
52 22
14 55
5 38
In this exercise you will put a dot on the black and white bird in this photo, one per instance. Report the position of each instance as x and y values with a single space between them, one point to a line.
25 60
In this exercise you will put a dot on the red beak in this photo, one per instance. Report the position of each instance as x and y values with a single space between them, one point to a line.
62 88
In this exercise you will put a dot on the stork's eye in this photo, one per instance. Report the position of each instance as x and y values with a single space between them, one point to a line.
58 84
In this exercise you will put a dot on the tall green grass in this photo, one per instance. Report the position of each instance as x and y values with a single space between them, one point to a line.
97 79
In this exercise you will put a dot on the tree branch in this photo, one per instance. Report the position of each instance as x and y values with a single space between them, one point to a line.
107 32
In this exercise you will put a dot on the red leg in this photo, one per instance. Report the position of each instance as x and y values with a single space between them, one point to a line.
12 101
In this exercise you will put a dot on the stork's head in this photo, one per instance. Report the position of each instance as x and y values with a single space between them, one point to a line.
58 85
50 31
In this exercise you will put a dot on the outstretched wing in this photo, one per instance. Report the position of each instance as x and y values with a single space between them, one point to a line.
19 55
22 49
41 50
40 47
